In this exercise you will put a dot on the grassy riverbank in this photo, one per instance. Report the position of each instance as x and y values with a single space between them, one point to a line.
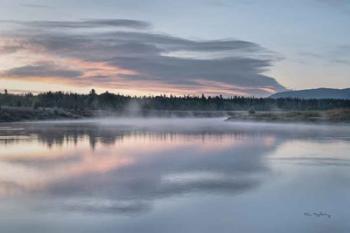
13 114
335 116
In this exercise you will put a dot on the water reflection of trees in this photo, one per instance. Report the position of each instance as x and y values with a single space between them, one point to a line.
60 136
64 134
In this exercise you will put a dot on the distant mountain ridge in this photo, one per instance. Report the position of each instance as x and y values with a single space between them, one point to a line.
319 93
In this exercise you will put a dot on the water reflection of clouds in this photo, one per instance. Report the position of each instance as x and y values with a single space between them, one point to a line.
89 168
324 151
135 168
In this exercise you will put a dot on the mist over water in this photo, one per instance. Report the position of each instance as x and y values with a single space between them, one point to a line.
173 175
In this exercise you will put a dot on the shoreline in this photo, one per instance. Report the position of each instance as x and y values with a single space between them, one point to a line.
17 114
327 116
20 114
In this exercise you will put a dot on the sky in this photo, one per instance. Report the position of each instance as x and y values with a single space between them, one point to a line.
148 47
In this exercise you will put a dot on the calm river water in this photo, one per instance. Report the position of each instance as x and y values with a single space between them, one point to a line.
174 175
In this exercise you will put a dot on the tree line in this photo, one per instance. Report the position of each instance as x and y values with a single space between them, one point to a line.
117 102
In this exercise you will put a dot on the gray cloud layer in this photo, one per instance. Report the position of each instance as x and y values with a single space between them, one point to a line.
163 58
96 23
43 70
33 5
